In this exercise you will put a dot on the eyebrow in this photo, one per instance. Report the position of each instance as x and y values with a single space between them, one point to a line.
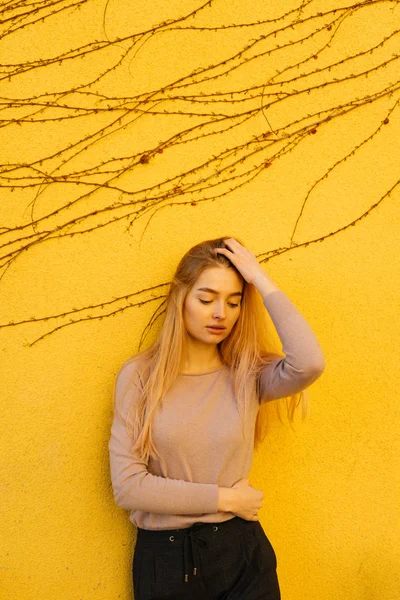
214 292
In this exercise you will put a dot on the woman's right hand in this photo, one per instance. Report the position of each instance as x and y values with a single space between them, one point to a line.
245 500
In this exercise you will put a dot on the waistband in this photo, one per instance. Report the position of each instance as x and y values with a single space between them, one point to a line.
199 534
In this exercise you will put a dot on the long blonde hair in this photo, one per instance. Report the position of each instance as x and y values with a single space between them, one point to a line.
246 350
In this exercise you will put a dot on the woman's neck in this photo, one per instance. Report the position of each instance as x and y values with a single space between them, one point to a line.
199 358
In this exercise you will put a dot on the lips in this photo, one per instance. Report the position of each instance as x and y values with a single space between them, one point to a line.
216 328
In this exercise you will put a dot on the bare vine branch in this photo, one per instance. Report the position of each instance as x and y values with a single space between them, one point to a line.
303 81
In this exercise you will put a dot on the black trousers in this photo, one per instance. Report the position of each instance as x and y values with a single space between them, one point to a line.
233 560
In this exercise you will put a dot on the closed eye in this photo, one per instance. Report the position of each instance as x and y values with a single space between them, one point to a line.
209 302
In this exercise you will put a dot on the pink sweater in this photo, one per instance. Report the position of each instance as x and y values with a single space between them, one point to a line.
204 440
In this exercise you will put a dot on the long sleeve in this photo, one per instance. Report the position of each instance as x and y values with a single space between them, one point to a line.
304 361
134 487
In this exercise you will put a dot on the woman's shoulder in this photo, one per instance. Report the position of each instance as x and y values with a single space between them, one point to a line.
129 386
133 369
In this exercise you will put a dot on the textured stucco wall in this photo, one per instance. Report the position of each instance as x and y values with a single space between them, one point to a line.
332 484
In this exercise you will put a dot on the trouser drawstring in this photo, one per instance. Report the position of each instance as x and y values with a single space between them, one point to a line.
192 539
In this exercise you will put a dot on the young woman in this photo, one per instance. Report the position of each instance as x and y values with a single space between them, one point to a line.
187 415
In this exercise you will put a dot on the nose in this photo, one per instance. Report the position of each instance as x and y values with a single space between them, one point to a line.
219 311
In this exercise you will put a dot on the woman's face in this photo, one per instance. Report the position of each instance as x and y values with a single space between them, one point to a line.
214 300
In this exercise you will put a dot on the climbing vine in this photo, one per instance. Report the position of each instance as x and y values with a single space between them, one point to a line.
80 91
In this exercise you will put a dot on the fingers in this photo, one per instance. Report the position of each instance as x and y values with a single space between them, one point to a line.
232 242
236 246
243 259
224 251
230 249
229 254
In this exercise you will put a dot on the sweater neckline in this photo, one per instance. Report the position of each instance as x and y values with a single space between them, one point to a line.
204 373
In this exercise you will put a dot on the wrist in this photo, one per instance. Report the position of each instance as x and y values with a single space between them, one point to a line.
225 499
264 284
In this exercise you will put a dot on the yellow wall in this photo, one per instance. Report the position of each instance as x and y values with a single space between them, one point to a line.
321 173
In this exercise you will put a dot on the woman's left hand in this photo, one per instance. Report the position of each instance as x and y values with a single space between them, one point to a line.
243 259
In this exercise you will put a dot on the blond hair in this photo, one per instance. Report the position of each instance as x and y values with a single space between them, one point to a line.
246 350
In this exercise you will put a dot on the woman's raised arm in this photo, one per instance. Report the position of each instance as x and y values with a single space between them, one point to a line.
304 361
